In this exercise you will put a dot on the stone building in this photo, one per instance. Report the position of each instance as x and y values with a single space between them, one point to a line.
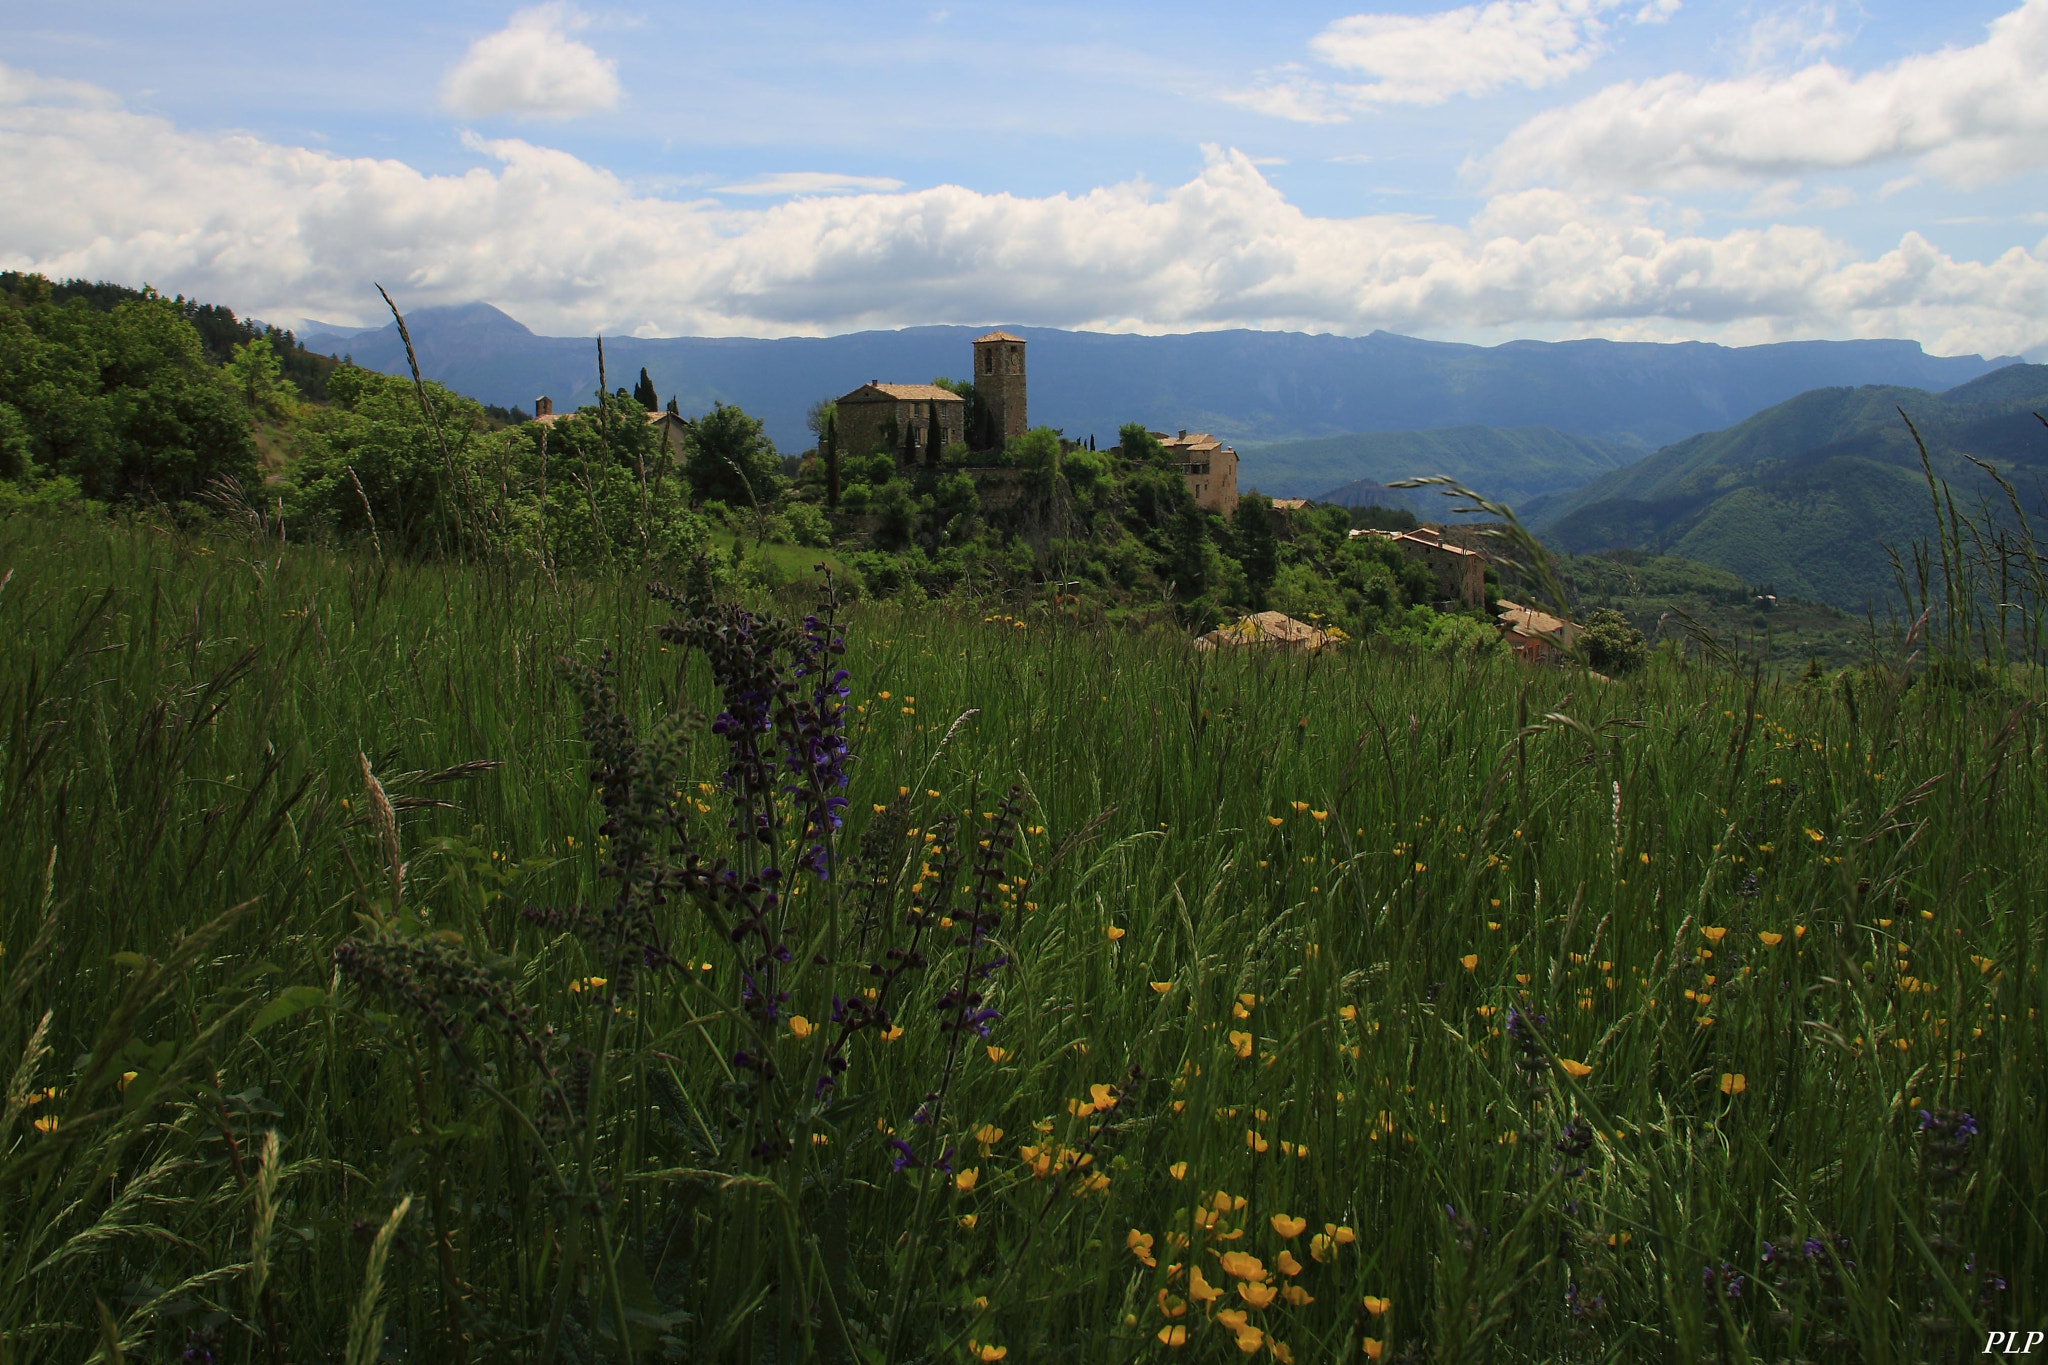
1207 465
875 417
999 379
1460 573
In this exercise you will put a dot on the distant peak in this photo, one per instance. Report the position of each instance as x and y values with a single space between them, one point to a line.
471 317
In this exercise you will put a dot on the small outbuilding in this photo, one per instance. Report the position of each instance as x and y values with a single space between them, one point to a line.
1268 630
1536 636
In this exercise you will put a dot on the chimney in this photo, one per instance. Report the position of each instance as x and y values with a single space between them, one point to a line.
1183 433
543 406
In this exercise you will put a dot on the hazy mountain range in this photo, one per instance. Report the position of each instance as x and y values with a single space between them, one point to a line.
1248 387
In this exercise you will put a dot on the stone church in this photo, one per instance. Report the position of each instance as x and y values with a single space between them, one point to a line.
877 416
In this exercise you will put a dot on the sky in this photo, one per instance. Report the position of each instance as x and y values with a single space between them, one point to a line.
1725 170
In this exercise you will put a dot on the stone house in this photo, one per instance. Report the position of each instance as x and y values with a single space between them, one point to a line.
1460 573
1208 466
1535 636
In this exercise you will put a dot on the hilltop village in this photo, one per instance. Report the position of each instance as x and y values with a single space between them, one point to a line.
925 487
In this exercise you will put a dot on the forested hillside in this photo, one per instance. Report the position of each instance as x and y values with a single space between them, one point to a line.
1807 496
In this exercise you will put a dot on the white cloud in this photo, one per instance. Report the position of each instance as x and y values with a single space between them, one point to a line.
570 248
810 182
1966 115
1802 31
1428 58
532 68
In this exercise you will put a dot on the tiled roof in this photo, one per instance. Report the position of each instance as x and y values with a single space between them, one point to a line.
1192 442
998 336
1530 621
1266 628
902 393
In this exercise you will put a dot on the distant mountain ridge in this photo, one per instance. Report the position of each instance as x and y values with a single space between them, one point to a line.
1512 464
1244 386
1806 496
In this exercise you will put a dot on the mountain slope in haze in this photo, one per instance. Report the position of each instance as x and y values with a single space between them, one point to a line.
1512 464
1806 496
1244 386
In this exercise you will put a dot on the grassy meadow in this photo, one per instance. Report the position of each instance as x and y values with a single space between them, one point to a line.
1363 1007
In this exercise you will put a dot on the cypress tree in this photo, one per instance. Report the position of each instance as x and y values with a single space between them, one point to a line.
643 393
831 434
934 434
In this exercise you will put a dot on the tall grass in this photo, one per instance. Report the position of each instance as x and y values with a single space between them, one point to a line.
1531 1017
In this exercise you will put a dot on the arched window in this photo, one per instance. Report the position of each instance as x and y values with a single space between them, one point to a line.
988 362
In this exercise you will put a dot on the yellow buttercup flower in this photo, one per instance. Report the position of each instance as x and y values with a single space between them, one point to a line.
800 1027
1140 1246
1102 1096
1578 1071
1114 933
1275 820
997 1054
1257 1295
1242 1265
1296 1296
1714 932
1299 806
1176 1336
1242 1042
988 1135
1161 987
1377 1307
1255 1142
1199 1289
1469 961
1733 1083
1178 1170
1288 1228
1288 1265
1249 1339
986 1353
1320 814
1322 1247
966 1179
1769 939
1373 1349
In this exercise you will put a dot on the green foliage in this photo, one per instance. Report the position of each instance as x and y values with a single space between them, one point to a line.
1037 451
588 489
807 524
1612 645
731 459
123 402
1258 550
258 376
370 462
1139 445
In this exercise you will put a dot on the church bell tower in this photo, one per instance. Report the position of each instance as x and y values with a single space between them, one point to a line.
999 379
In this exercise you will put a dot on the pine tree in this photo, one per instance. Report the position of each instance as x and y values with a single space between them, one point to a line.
643 393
